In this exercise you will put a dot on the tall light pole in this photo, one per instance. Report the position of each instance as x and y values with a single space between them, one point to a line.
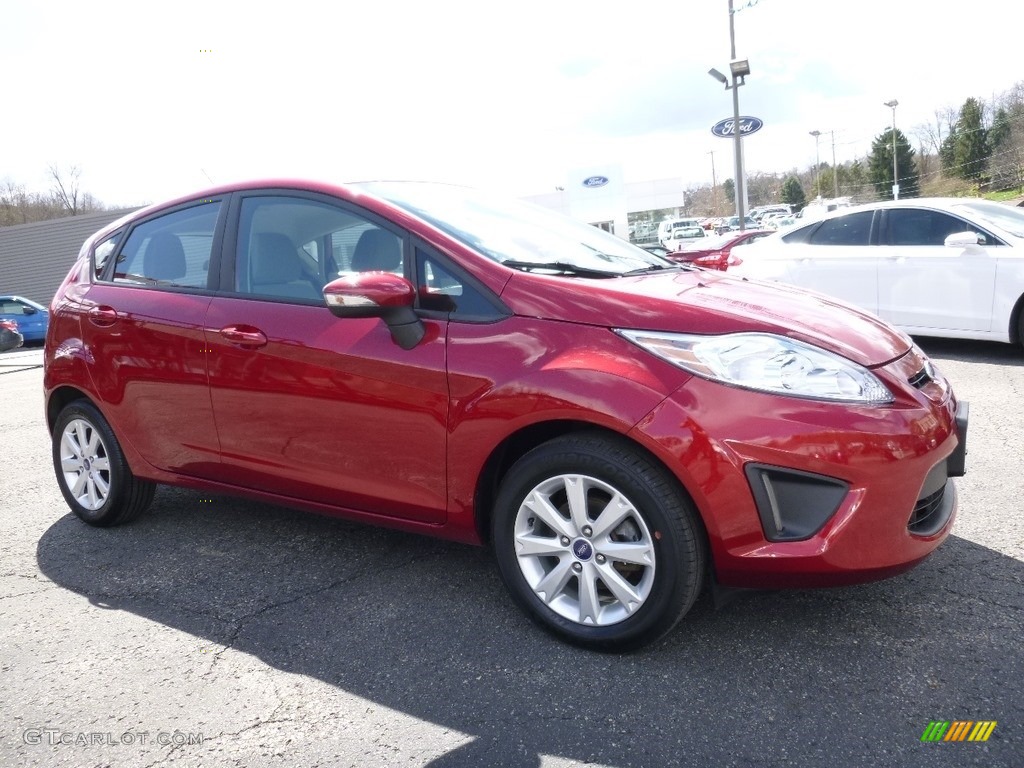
835 168
895 172
817 161
739 68
714 186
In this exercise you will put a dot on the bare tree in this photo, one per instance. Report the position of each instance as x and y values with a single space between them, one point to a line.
66 187
19 206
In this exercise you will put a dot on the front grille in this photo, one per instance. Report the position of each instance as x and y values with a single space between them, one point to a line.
923 518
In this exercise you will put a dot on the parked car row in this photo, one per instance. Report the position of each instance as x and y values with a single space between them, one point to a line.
30 319
621 428
10 337
715 252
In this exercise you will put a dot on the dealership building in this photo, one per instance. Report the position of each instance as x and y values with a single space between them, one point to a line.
601 196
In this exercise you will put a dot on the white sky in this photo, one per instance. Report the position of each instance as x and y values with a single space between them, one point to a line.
508 96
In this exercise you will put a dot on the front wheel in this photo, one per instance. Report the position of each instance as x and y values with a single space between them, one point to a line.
91 469
597 543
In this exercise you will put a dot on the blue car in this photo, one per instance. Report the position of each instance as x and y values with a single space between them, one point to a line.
32 319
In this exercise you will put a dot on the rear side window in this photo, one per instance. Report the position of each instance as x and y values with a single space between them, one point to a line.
102 254
799 235
853 229
172 250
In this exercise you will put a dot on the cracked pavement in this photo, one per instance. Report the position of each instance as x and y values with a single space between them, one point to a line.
284 639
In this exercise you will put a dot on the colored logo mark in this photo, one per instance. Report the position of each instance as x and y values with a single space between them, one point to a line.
958 730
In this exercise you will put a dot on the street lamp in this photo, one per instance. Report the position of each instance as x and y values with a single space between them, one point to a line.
895 172
835 168
714 186
739 69
817 161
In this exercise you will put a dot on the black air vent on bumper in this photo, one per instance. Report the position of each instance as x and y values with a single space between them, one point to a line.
793 505
935 505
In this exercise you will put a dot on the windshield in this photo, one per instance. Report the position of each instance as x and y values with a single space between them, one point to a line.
1006 217
510 230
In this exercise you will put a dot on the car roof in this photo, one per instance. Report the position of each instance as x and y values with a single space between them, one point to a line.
939 203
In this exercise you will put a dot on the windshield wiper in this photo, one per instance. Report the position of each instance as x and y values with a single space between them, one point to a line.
656 268
562 267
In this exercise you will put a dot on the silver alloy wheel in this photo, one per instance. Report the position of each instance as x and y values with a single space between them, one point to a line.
85 464
584 549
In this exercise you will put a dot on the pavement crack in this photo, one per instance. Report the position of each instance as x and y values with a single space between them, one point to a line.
378 566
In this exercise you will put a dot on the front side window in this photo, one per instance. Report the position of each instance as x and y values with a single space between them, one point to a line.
290 247
852 229
440 289
11 307
172 250
916 226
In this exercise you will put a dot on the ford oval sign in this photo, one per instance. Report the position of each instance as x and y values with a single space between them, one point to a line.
726 128
595 181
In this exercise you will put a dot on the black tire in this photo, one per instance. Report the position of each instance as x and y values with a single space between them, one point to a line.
84 439
657 519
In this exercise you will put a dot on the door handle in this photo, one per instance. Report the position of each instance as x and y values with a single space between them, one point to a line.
103 316
244 336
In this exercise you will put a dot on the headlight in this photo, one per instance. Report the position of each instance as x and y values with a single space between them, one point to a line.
766 363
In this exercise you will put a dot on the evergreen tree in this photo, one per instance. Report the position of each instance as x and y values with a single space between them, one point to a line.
970 149
999 133
946 154
793 193
880 165
729 189
856 178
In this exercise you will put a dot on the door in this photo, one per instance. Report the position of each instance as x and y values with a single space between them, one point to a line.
838 259
924 284
312 406
142 322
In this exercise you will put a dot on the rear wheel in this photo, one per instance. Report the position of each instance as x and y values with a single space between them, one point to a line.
597 543
91 469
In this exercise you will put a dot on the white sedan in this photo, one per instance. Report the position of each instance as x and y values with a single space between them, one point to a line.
951 267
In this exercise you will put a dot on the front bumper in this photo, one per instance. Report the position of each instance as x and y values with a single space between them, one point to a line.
854 493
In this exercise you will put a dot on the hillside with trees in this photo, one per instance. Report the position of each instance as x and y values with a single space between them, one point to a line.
977 149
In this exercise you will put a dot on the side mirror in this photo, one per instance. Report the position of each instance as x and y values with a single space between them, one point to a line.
378 294
27 310
963 240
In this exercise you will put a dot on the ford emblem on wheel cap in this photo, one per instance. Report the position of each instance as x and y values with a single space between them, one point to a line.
595 181
582 549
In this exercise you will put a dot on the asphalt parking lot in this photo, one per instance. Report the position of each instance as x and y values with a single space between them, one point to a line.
213 631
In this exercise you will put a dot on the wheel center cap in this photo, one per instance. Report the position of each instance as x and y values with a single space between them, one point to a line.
582 549
85 464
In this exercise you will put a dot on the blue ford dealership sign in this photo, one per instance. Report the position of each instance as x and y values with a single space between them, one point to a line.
726 128
595 181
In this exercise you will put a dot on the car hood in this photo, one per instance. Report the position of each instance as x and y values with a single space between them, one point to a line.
705 302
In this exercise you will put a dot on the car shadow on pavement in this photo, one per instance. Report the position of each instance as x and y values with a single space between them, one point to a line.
424 627
968 351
